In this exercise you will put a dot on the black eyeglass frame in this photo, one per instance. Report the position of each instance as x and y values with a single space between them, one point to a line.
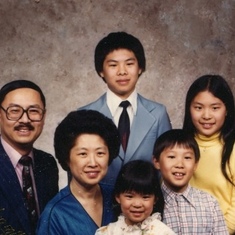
23 111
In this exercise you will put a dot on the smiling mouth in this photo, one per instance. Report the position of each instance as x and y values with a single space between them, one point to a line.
178 175
123 81
207 125
137 213
92 174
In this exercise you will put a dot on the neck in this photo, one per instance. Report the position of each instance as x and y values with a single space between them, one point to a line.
22 149
84 191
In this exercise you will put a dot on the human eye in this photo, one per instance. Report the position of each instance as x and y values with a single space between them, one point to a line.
130 62
171 156
197 107
82 154
188 157
14 110
112 64
101 153
215 108
128 195
34 111
146 196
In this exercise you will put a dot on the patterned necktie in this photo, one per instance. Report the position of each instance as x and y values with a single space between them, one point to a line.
28 192
124 124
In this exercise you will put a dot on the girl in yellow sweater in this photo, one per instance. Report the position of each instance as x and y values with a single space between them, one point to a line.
210 117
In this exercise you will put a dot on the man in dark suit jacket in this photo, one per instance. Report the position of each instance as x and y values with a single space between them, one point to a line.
120 61
22 115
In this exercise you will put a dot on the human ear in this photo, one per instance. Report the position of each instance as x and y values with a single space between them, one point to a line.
117 197
195 166
156 163
101 74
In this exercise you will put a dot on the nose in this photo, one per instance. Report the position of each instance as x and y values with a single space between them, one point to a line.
179 163
92 160
122 70
24 117
137 203
206 114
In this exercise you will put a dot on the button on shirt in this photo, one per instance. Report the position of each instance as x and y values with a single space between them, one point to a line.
193 212
113 102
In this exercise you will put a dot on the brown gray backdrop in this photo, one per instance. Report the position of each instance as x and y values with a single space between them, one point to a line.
51 42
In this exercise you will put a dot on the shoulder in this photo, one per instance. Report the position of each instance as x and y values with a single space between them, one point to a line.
150 104
202 197
44 161
106 188
115 228
157 226
107 193
41 154
232 158
95 104
57 212
58 202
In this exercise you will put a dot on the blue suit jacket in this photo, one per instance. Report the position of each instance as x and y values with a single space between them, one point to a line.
13 214
150 121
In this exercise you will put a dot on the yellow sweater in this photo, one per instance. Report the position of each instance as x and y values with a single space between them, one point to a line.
209 177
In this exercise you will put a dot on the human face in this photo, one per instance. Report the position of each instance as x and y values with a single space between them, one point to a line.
22 133
121 72
177 165
135 207
208 113
88 160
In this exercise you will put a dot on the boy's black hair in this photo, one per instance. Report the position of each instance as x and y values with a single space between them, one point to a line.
119 40
175 137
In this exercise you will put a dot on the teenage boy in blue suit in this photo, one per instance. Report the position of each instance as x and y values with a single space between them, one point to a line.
120 61
22 115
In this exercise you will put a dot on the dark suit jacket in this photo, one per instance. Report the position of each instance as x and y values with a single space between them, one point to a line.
13 214
150 121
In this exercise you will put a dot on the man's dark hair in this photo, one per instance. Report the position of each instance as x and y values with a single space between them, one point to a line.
17 84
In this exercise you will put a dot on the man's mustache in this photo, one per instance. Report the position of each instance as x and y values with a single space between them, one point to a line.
28 126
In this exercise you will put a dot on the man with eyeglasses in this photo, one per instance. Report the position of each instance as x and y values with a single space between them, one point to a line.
28 177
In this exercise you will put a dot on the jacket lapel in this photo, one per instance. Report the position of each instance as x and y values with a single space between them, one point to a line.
104 109
141 125
10 187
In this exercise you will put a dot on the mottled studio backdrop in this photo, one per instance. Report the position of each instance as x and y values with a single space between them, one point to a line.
51 42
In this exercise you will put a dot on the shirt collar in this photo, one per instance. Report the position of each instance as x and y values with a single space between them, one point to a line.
170 195
12 153
113 101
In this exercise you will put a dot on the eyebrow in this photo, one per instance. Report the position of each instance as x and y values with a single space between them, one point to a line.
129 59
216 103
29 106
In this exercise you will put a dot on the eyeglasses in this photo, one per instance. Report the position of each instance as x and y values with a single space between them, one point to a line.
14 113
